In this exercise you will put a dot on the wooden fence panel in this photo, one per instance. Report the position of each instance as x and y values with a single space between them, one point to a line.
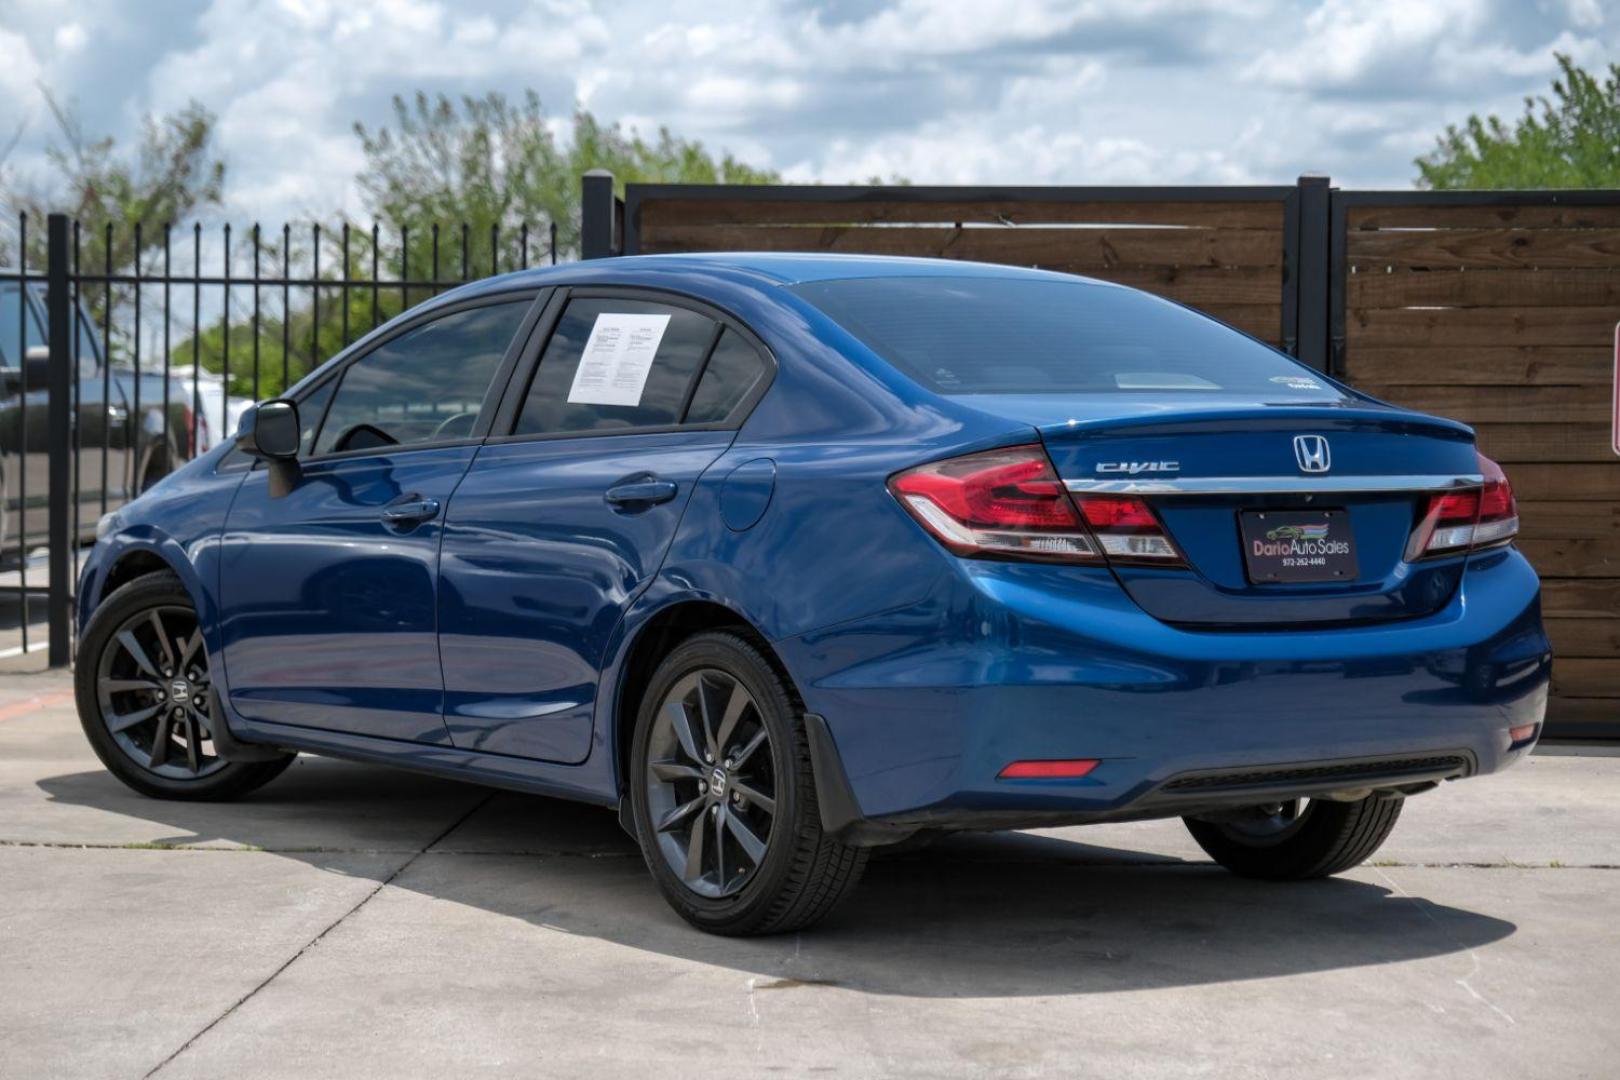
1504 316
1499 311
1224 257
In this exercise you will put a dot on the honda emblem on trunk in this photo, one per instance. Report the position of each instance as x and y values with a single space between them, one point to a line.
1311 451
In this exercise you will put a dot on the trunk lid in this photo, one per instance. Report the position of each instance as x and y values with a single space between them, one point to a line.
1213 470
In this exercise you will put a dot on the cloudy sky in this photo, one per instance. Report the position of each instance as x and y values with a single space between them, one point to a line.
940 91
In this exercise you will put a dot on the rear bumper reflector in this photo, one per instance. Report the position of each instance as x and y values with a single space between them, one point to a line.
1071 769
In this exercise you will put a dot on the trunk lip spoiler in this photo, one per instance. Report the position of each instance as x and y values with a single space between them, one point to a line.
1276 485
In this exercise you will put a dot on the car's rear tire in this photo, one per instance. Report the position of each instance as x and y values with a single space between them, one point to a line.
724 798
139 647
1298 840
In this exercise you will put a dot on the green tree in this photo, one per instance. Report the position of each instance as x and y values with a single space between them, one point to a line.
314 325
451 183
494 165
1571 140
171 172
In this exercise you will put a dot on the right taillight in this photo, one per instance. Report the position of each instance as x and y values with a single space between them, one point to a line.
1458 521
1011 504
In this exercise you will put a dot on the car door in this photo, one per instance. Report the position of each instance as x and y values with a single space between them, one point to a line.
566 514
327 590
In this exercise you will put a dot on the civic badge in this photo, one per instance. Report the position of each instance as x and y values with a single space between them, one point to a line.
1311 451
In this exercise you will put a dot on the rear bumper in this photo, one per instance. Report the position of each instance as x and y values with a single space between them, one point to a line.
924 706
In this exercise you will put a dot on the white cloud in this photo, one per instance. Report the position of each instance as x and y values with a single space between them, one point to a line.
1017 91
71 38
19 70
1585 14
1398 48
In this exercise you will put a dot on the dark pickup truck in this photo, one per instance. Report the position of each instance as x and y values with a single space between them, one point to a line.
124 444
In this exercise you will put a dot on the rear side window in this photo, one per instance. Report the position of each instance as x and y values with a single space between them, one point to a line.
426 385
1019 336
734 368
616 365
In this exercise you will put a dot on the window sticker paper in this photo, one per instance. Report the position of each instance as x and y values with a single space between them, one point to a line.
618 357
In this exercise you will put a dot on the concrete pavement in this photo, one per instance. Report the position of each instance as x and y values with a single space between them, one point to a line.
349 921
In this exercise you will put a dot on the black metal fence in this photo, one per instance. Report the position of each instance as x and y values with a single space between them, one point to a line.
124 353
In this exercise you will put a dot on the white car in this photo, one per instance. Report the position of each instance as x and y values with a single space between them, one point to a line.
219 413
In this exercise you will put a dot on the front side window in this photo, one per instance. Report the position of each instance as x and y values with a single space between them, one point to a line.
964 335
310 412
616 365
426 385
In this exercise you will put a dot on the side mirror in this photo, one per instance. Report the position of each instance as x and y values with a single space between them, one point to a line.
37 368
270 431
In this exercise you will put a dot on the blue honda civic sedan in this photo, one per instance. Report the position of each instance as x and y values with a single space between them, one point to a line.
789 557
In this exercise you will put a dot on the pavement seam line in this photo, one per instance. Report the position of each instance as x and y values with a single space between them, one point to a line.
542 853
316 940
1425 905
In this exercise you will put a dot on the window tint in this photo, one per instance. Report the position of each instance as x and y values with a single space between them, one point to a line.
19 329
732 371
425 385
1020 336
609 395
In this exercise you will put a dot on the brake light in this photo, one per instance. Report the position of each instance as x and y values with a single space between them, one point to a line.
188 430
1001 502
1127 529
1459 521
1010 503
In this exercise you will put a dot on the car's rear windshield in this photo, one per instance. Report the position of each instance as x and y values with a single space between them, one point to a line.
963 335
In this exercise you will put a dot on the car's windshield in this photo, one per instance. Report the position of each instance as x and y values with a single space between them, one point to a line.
964 335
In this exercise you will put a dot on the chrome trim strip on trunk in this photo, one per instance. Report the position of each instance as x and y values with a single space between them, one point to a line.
1275 485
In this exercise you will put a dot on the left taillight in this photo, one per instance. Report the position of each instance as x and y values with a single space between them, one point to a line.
1011 504
1458 521
1007 503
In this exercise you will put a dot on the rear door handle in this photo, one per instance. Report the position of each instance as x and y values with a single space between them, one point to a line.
413 511
643 492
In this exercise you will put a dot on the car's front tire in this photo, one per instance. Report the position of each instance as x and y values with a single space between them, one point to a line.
724 797
146 699
1296 840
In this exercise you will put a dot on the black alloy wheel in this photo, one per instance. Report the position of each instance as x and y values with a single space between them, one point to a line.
723 793
1299 838
153 688
1269 823
710 783
147 699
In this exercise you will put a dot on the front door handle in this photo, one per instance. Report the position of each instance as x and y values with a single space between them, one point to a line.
641 492
413 511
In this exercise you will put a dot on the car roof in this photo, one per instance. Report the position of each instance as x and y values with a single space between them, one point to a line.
753 268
